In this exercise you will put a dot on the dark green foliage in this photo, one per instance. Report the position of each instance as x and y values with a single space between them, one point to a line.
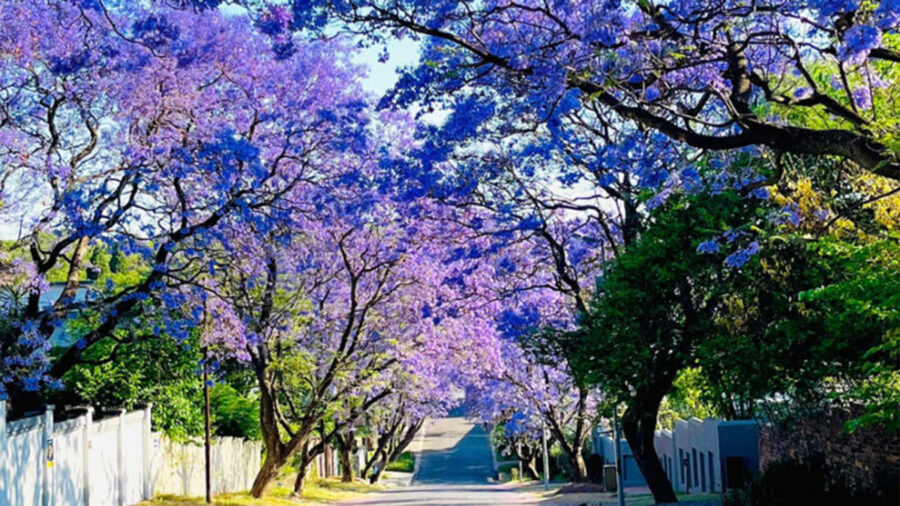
234 414
657 302
158 370
161 371
801 315
792 483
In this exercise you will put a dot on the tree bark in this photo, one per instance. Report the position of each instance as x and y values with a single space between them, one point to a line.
345 448
405 441
382 451
307 456
576 460
526 455
269 471
530 468
639 424
75 267
572 448
277 452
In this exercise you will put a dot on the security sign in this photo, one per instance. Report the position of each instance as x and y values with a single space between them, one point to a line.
49 453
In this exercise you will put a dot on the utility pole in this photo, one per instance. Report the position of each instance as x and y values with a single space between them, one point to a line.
206 443
546 456
617 453
518 453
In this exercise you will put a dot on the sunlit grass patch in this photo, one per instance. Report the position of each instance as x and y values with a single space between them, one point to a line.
316 491
406 463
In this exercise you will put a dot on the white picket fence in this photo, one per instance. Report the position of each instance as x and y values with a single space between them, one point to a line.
114 461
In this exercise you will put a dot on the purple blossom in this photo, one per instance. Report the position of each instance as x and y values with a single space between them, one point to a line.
801 93
789 215
708 247
760 193
858 41
740 257
862 97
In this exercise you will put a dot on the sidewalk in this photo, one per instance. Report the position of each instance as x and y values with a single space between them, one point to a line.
395 479
634 496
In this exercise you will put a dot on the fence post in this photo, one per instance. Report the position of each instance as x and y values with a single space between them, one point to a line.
145 436
4 484
87 430
47 457
120 452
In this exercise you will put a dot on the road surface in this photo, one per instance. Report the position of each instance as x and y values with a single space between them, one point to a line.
455 467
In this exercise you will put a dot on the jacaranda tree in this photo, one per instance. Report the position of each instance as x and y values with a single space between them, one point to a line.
150 130
711 75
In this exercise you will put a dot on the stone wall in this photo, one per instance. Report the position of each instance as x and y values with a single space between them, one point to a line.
867 459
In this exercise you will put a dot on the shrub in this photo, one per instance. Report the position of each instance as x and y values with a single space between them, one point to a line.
790 483
406 463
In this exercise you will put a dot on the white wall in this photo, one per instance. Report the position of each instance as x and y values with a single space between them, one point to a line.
696 439
103 462
177 467
115 461
68 440
23 462
665 449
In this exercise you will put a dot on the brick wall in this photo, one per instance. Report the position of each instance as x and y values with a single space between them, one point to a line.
869 458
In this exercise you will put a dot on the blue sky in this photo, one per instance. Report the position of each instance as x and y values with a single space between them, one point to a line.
383 75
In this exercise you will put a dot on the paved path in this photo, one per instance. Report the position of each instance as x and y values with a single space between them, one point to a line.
455 467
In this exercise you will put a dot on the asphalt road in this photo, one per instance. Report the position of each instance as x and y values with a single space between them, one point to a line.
455 467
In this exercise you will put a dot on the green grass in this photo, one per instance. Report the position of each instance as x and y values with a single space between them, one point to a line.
406 463
316 491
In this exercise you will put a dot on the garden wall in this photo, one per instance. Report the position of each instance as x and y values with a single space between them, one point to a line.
114 461
868 459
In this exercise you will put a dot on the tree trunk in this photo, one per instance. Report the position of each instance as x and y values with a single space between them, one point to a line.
270 468
530 468
345 448
370 461
572 451
277 453
639 424
379 472
576 460
306 458
526 456
405 441
75 267
382 452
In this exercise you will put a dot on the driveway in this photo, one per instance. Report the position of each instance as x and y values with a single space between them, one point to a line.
454 469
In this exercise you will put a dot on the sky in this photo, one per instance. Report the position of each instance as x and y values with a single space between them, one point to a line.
382 76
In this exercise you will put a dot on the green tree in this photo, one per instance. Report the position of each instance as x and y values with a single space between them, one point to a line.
130 371
793 317
123 372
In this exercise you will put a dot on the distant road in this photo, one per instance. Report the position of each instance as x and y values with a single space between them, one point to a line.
455 467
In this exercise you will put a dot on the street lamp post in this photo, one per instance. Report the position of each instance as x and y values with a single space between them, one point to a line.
546 457
206 442
617 453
